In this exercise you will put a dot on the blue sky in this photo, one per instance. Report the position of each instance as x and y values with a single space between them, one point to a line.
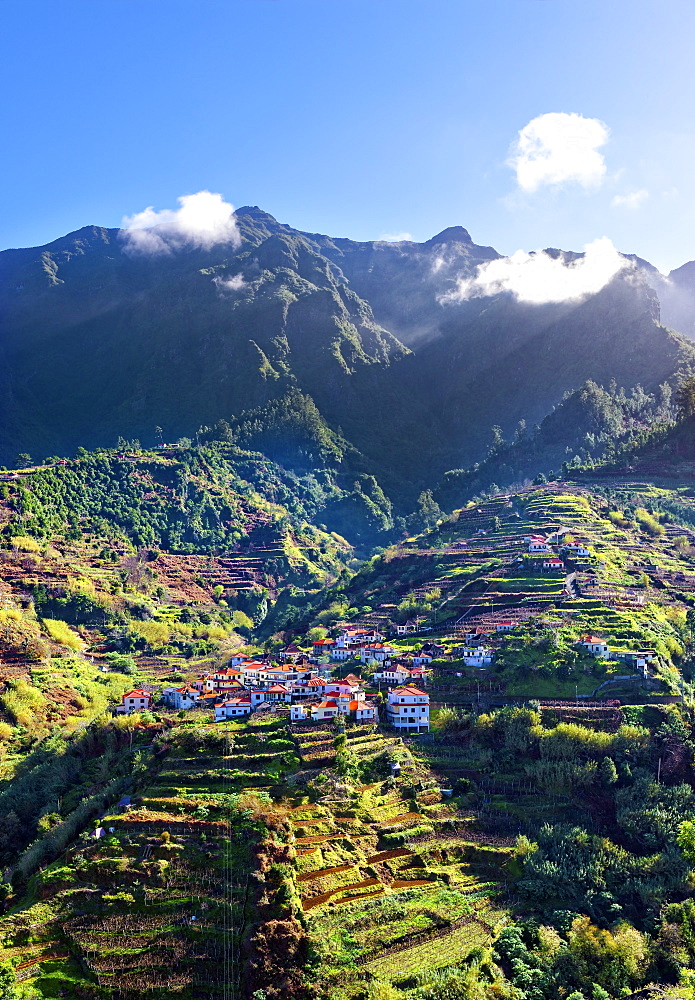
358 119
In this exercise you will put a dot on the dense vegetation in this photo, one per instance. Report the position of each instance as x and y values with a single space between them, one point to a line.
288 343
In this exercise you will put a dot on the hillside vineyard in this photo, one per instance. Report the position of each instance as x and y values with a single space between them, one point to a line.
346 625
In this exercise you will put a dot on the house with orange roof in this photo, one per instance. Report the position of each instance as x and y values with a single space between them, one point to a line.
134 701
408 708
325 710
363 711
392 673
377 651
286 674
310 688
252 670
277 692
322 647
233 708
344 687
595 645
224 679
354 680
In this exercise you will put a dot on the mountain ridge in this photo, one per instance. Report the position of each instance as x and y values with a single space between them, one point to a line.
104 341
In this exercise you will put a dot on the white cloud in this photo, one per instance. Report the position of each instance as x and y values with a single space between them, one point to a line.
234 284
540 278
203 220
631 201
395 238
559 148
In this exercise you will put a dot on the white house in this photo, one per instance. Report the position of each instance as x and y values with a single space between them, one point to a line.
408 708
363 711
341 687
477 656
300 713
378 651
406 627
134 701
505 626
252 671
357 637
323 646
595 645
556 565
290 653
278 675
278 693
342 653
421 659
233 708
395 674
575 549
539 546
181 698
324 710
310 688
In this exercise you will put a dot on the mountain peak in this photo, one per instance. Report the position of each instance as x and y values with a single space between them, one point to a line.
454 234
257 214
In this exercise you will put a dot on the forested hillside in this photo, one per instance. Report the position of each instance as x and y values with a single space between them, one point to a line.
102 342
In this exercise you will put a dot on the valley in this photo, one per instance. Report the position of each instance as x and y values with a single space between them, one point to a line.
316 855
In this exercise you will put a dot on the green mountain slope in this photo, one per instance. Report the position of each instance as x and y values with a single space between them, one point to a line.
99 342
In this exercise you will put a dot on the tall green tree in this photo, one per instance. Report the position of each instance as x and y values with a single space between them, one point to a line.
685 398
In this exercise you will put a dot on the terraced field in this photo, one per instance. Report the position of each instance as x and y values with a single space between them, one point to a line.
160 904
390 875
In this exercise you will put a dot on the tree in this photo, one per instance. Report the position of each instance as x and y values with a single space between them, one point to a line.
685 398
686 840
429 511
22 460
497 440
608 774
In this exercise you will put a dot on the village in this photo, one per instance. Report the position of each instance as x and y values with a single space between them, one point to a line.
395 671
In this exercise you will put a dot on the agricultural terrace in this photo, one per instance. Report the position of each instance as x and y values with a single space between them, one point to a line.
631 589
391 874
159 900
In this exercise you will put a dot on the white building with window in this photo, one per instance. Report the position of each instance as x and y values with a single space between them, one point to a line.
408 708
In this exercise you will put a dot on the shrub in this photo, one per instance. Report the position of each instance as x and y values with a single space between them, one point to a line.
62 634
